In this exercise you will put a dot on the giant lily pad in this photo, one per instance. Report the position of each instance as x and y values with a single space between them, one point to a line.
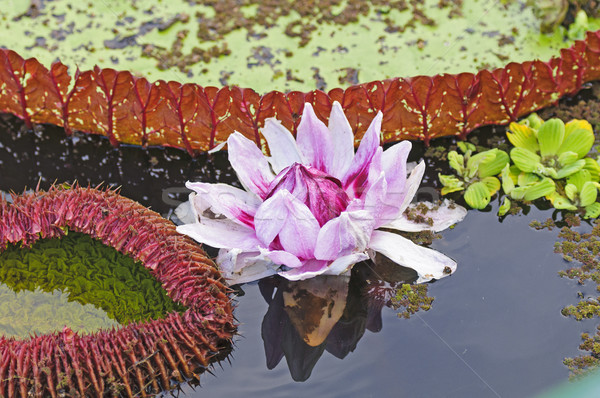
282 45
133 359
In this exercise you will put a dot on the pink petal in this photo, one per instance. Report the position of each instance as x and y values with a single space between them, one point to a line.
368 176
270 217
221 233
394 166
314 140
347 233
442 217
285 217
282 145
343 142
358 172
309 269
222 199
376 168
319 191
375 194
315 267
281 257
250 164
428 263
372 201
299 233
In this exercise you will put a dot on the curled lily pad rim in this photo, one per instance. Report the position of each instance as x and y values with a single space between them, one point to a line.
211 113
183 269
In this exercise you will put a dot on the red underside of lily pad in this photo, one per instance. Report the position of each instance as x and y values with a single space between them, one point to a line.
139 359
128 109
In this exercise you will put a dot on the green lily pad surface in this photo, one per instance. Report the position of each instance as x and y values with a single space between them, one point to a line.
76 282
279 44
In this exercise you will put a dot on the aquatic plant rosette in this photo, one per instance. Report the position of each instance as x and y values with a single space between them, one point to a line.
314 207
139 359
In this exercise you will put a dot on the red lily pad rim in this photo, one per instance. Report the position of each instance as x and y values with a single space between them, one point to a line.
132 110
139 358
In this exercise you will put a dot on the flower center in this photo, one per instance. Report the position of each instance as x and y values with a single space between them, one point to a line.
322 193
550 161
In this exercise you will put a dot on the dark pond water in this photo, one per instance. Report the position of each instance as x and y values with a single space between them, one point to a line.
494 330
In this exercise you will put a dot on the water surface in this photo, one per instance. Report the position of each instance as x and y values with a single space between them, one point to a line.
494 330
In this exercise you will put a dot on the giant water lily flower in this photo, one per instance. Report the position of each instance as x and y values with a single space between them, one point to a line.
314 206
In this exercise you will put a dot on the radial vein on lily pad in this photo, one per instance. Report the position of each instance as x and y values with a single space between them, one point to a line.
315 207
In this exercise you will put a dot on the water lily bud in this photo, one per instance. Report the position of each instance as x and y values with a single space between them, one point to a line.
322 193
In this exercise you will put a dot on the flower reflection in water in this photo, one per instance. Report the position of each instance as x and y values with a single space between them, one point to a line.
329 313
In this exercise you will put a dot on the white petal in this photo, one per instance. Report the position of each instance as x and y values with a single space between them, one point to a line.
231 260
282 145
299 233
241 267
314 267
309 269
349 232
221 233
217 148
428 263
250 165
446 215
376 193
343 142
394 167
394 163
343 264
186 213
222 199
412 186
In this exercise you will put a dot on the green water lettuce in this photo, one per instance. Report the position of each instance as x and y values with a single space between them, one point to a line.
525 186
549 160
476 174
550 149
504 207
579 193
